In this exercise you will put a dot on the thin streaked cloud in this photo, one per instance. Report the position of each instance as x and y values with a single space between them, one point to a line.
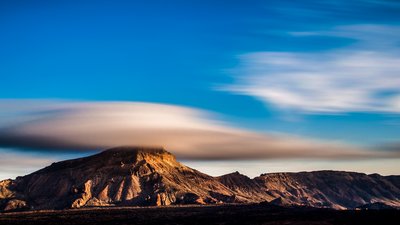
363 77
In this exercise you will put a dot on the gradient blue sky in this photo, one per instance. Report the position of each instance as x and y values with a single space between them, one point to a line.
201 54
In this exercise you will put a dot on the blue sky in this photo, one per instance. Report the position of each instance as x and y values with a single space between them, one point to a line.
216 56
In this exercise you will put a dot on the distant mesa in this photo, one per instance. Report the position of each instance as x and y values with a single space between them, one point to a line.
137 176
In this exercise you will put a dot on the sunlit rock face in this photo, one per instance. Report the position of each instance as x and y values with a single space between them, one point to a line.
133 176
119 176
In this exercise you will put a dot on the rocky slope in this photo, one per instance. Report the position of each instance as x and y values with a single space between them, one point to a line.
152 176
120 176
322 189
246 189
332 189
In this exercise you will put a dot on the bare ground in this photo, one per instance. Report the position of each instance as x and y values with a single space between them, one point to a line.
222 214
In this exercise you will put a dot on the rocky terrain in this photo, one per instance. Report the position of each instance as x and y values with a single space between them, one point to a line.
332 189
130 176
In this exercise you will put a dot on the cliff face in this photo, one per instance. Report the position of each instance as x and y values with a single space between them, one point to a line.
152 176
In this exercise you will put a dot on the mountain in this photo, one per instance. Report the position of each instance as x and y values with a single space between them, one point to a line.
119 176
245 189
133 176
321 189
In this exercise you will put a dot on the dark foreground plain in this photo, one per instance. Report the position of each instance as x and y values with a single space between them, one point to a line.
222 214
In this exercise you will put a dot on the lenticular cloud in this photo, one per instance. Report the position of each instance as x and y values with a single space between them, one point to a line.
187 132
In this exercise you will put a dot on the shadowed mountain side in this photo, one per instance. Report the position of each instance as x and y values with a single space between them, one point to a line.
332 189
246 189
133 176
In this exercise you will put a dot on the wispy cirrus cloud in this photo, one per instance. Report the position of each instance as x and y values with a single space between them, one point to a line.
187 132
363 77
376 37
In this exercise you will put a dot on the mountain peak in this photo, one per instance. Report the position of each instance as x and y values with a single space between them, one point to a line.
134 153
234 175
137 149
119 157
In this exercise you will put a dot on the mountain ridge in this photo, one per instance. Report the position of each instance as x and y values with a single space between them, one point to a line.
137 176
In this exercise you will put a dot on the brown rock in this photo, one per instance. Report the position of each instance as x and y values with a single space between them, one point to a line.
15 205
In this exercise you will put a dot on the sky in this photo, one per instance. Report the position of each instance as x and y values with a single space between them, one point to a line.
253 86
